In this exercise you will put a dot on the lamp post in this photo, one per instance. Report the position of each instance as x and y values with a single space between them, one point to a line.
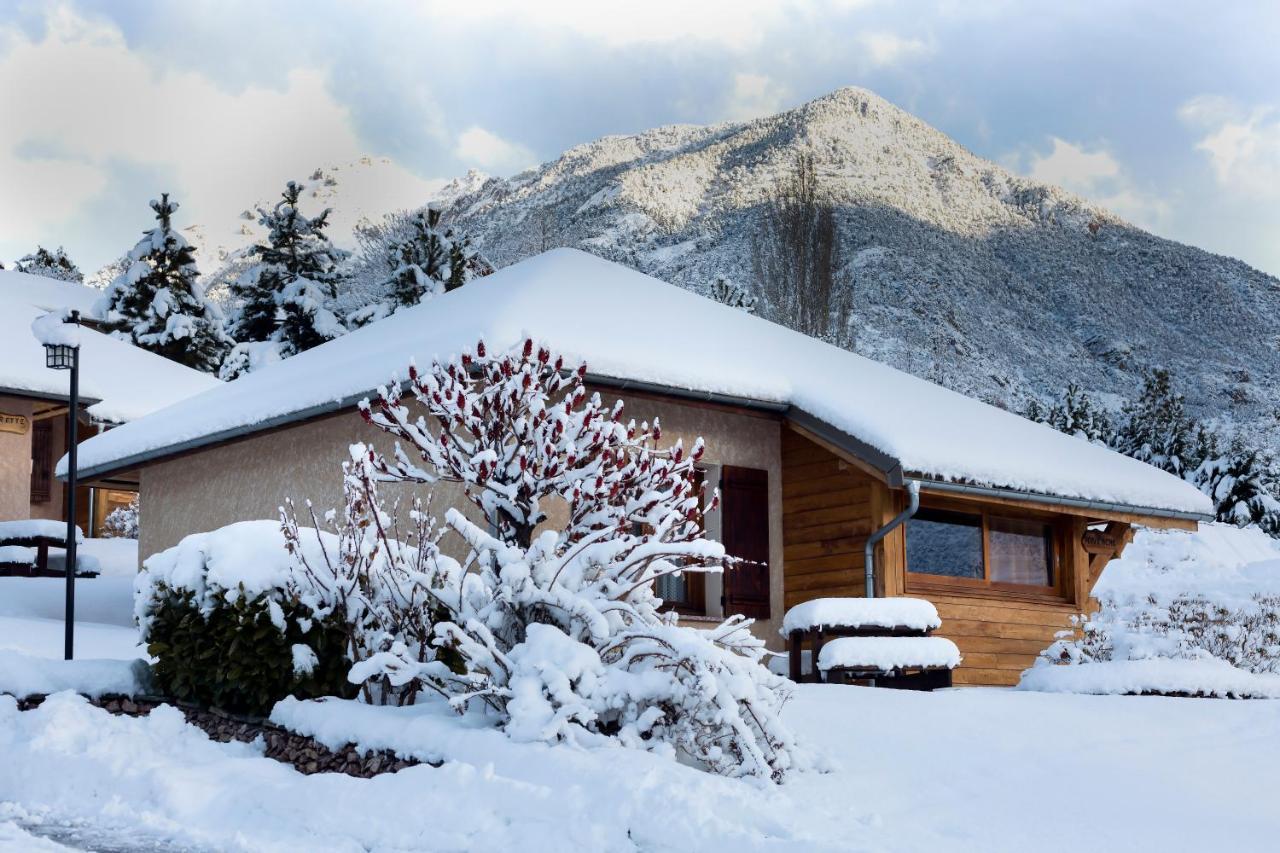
63 353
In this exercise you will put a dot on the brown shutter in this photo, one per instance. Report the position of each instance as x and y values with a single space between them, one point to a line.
744 529
41 461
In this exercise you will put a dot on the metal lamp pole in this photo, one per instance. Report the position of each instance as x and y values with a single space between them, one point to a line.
62 355
69 642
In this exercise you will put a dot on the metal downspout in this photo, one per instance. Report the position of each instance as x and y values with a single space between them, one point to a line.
869 554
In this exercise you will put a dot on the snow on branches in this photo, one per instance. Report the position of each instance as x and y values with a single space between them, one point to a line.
559 631
157 303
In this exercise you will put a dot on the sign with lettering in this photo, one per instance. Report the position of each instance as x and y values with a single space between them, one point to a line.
1100 542
18 424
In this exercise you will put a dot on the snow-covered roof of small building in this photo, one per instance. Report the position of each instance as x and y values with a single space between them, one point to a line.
632 329
123 381
48 293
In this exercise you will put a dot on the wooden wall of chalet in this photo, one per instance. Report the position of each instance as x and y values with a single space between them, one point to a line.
826 517
829 507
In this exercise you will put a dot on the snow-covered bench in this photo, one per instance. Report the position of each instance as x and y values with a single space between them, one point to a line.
25 544
822 620
929 659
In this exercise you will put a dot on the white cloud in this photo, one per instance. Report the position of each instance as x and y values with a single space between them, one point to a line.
883 49
1242 144
754 95
1072 167
738 24
1098 176
485 149
87 104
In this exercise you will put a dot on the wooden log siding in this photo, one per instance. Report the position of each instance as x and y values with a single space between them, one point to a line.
826 518
829 508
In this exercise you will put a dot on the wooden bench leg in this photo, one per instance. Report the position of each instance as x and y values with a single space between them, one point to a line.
42 557
795 656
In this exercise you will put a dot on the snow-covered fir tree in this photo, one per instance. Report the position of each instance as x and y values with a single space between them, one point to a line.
1075 414
157 302
411 258
55 264
726 292
1238 481
1157 428
285 297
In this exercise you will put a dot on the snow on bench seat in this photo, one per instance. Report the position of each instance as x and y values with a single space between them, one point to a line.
17 555
889 653
31 529
913 613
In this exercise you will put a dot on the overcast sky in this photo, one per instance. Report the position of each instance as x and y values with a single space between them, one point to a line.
1168 113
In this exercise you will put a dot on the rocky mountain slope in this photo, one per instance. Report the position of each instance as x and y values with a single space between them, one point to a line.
991 283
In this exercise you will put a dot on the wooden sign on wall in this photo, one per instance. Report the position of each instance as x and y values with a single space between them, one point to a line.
1100 542
17 424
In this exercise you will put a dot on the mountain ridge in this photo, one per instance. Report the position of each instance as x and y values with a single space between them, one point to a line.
992 283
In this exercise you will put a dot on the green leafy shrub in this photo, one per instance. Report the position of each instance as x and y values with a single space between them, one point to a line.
236 657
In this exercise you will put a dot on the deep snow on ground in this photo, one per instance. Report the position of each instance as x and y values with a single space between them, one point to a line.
955 770
31 609
974 769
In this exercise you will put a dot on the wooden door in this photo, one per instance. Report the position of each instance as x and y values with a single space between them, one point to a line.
744 530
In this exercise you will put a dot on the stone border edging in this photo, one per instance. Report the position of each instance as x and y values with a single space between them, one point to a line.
303 752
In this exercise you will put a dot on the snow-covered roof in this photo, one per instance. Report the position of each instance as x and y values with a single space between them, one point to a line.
48 293
124 381
631 328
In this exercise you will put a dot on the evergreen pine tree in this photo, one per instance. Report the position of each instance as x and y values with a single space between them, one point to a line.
726 292
48 264
1237 482
1158 429
158 304
285 296
1077 414
424 260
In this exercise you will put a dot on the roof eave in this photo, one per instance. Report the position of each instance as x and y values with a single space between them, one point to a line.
51 396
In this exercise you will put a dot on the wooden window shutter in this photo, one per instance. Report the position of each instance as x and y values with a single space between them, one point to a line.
41 461
744 530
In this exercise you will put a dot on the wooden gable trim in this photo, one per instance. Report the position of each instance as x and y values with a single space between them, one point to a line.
839 452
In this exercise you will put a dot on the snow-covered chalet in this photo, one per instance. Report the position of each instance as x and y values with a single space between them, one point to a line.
813 449
118 383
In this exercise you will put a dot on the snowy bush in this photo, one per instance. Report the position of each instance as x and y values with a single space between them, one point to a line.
233 624
122 522
382 582
1185 596
560 633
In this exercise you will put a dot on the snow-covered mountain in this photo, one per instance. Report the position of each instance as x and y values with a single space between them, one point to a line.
989 282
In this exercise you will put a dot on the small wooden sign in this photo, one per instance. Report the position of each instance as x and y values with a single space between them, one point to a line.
17 424
1100 542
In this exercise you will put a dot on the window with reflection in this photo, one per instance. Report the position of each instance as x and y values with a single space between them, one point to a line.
945 543
980 547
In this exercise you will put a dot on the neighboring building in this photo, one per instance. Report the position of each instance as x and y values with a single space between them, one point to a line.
811 446
118 383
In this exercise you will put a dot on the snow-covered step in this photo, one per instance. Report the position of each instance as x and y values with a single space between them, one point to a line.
887 654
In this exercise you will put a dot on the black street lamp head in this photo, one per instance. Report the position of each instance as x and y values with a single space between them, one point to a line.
61 356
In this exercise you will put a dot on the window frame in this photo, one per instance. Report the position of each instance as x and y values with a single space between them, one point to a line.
1058 565
695 583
